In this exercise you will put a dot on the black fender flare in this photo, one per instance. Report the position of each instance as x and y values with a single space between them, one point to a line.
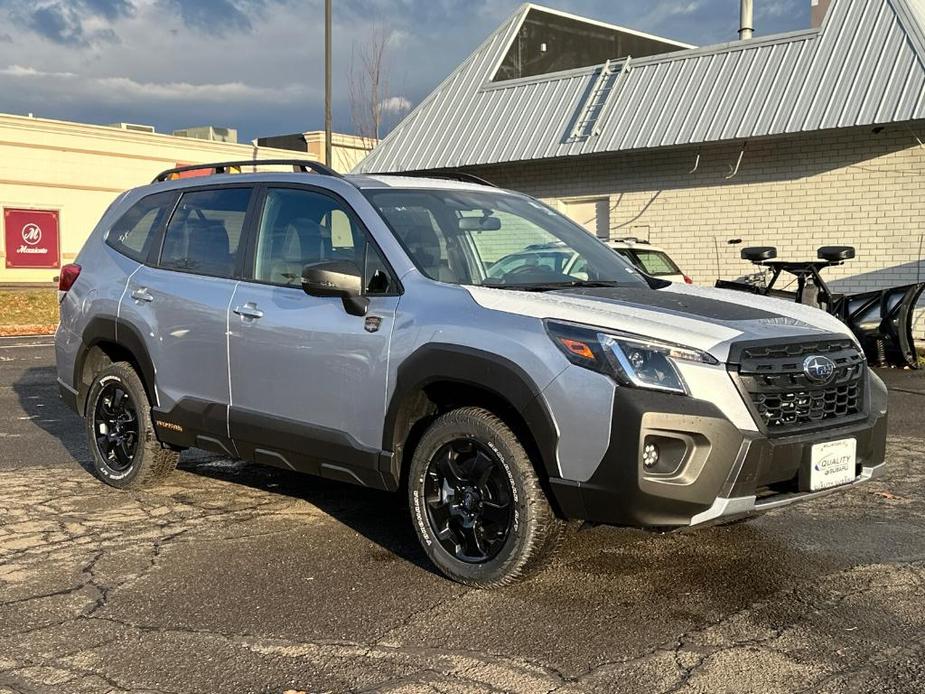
501 377
109 329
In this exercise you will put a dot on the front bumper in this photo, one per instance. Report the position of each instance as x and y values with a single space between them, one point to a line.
729 508
723 472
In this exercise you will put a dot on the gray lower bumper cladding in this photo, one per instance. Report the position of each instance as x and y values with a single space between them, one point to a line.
723 472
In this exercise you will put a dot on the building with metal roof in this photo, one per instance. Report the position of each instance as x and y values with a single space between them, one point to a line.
798 140
864 65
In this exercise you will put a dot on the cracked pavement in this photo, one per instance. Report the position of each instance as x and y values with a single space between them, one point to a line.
237 578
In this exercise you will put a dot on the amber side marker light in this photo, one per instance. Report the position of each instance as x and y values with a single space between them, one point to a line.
577 348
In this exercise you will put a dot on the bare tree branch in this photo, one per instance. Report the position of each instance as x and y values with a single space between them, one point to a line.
369 85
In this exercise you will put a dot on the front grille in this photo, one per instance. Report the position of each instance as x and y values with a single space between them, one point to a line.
794 349
785 399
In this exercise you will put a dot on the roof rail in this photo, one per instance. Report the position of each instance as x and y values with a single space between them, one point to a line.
298 165
460 176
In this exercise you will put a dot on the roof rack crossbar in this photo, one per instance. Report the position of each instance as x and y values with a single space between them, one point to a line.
460 176
298 166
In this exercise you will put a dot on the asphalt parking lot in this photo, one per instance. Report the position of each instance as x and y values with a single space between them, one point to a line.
237 578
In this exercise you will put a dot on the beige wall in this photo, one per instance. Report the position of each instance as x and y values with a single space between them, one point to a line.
346 150
847 187
80 169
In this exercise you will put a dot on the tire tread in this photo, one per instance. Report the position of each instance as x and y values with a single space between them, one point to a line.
157 462
545 529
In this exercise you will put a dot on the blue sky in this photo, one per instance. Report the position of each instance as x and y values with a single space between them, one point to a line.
257 64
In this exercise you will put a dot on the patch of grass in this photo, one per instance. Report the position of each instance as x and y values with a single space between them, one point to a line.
28 310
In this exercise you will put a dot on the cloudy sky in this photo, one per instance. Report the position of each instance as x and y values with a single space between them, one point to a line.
257 64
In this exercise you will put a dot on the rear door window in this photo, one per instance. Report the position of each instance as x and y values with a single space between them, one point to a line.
205 232
136 231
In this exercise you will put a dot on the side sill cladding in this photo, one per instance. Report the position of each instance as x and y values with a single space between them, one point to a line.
102 330
474 370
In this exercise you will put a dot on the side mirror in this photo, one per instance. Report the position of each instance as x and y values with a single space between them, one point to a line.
337 278
835 254
758 254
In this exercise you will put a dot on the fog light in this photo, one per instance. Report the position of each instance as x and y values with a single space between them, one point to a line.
650 455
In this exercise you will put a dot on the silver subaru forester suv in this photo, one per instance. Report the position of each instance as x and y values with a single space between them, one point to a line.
352 327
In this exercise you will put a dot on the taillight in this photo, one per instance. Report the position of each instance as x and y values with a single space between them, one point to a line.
688 280
69 275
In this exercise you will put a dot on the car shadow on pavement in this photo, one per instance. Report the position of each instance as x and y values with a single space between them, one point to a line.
381 517
37 392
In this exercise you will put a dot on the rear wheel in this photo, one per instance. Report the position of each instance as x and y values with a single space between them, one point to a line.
479 510
126 453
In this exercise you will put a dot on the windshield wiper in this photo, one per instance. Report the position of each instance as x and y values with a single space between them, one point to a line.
553 286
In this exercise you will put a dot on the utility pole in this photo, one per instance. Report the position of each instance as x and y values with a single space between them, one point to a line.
328 118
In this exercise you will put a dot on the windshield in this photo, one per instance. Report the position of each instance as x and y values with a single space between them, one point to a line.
497 239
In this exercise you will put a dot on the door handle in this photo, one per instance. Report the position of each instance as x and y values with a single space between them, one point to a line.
248 311
142 294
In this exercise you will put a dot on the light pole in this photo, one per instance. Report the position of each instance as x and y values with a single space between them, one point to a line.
327 83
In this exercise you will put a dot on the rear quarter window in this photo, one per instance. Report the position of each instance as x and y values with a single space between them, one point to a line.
136 231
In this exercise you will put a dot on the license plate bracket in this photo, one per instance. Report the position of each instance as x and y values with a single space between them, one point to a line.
832 464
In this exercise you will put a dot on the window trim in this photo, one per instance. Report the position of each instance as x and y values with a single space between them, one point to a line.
155 258
249 259
154 235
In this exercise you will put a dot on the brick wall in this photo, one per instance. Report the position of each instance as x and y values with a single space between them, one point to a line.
845 187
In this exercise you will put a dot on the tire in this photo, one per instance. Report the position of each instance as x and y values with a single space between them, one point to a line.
456 498
141 461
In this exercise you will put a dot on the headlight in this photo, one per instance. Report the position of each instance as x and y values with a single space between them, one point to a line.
630 359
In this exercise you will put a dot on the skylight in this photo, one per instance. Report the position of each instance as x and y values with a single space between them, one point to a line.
549 42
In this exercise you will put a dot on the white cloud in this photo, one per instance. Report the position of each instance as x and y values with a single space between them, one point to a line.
121 89
395 104
23 71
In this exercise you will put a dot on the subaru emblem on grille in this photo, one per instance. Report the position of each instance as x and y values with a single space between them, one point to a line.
819 369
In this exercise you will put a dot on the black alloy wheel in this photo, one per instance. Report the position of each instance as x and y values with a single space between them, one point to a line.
470 502
115 423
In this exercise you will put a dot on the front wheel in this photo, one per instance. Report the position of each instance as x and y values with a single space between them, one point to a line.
126 453
478 507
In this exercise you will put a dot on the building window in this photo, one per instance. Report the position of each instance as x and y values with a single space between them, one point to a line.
550 42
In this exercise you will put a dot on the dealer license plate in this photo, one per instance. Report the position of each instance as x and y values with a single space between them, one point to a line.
833 464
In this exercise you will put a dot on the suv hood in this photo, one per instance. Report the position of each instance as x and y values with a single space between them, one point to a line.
704 318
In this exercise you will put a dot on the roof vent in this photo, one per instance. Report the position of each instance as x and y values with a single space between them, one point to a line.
134 127
209 132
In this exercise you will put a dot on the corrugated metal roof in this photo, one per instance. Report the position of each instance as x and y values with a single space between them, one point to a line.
864 66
